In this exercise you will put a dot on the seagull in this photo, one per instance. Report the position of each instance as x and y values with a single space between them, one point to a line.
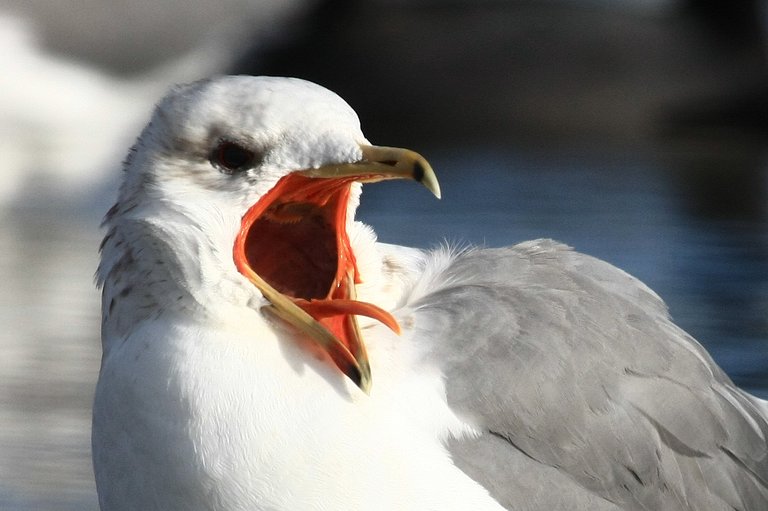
263 351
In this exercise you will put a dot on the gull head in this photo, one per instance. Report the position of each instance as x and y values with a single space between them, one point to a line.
243 189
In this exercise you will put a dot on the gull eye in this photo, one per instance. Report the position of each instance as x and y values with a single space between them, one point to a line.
231 157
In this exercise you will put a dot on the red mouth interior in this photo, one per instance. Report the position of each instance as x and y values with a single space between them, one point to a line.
295 239
293 247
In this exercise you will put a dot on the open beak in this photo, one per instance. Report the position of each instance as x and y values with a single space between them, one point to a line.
293 245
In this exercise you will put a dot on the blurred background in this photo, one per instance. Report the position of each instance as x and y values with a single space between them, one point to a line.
633 130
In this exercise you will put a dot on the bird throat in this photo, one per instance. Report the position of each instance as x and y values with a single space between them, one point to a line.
300 248
294 240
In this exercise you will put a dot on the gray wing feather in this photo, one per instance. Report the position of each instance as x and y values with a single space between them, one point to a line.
588 395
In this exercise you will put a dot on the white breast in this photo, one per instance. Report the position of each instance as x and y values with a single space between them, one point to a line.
231 416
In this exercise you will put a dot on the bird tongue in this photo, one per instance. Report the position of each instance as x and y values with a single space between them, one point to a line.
293 242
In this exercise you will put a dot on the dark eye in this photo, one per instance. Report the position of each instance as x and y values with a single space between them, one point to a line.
232 157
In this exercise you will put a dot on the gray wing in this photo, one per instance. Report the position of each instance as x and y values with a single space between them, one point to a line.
589 397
